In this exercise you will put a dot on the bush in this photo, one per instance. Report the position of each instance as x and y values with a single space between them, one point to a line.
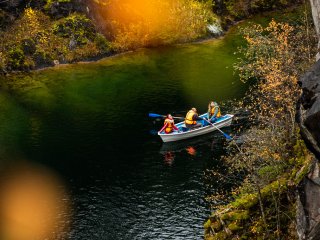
51 2
156 22
28 46
5 19
60 8
103 44
77 27
15 58
28 64
2 63
43 58
40 41
231 10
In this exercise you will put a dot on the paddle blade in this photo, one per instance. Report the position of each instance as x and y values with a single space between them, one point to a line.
154 115
227 136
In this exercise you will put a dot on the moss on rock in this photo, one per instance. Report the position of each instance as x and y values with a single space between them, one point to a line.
236 215
234 226
242 216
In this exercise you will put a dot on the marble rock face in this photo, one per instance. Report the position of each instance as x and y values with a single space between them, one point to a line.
309 114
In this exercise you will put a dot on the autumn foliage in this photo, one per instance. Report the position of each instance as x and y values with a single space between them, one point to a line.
272 159
137 23
276 55
34 40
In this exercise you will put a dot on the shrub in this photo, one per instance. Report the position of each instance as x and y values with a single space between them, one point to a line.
103 44
76 26
43 58
60 8
28 46
2 62
243 8
15 58
87 52
49 3
28 64
5 19
156 22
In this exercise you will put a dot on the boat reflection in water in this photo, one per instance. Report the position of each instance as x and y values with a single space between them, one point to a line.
210 141
191 151
169 158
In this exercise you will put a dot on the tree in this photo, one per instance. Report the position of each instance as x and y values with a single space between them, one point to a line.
269 156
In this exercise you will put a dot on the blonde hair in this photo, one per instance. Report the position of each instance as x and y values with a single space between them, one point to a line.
209 106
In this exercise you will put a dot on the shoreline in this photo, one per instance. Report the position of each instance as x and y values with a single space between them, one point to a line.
116 54
99 58
200 40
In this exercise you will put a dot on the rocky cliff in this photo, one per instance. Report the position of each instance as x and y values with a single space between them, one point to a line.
308 117
309 108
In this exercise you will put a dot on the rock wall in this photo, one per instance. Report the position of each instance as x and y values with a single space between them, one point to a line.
308 205
308 114
309 108
308 117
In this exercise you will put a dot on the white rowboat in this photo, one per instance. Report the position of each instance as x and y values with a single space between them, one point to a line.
185 133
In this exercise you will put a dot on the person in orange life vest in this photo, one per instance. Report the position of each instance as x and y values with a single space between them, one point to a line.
168 125
213 111
191 119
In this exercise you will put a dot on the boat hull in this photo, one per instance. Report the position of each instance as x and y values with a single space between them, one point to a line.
224 121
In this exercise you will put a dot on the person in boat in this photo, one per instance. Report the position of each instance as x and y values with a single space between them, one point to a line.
168 125
191 119
213 112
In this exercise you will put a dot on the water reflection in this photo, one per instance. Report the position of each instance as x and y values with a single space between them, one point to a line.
169 158
191 151
190 145
210 141
90 124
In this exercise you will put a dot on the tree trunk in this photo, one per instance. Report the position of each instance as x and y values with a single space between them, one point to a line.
261 205
315 5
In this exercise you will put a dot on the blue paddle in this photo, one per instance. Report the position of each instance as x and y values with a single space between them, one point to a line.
154 115
224 134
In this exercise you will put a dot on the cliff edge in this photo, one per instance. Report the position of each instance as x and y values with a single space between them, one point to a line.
308 117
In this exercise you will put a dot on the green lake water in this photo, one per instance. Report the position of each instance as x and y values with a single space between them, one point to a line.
88 124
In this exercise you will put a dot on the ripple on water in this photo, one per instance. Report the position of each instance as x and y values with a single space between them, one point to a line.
89 123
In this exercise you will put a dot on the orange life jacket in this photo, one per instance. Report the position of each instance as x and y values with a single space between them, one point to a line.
189 118
169 127
213 110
